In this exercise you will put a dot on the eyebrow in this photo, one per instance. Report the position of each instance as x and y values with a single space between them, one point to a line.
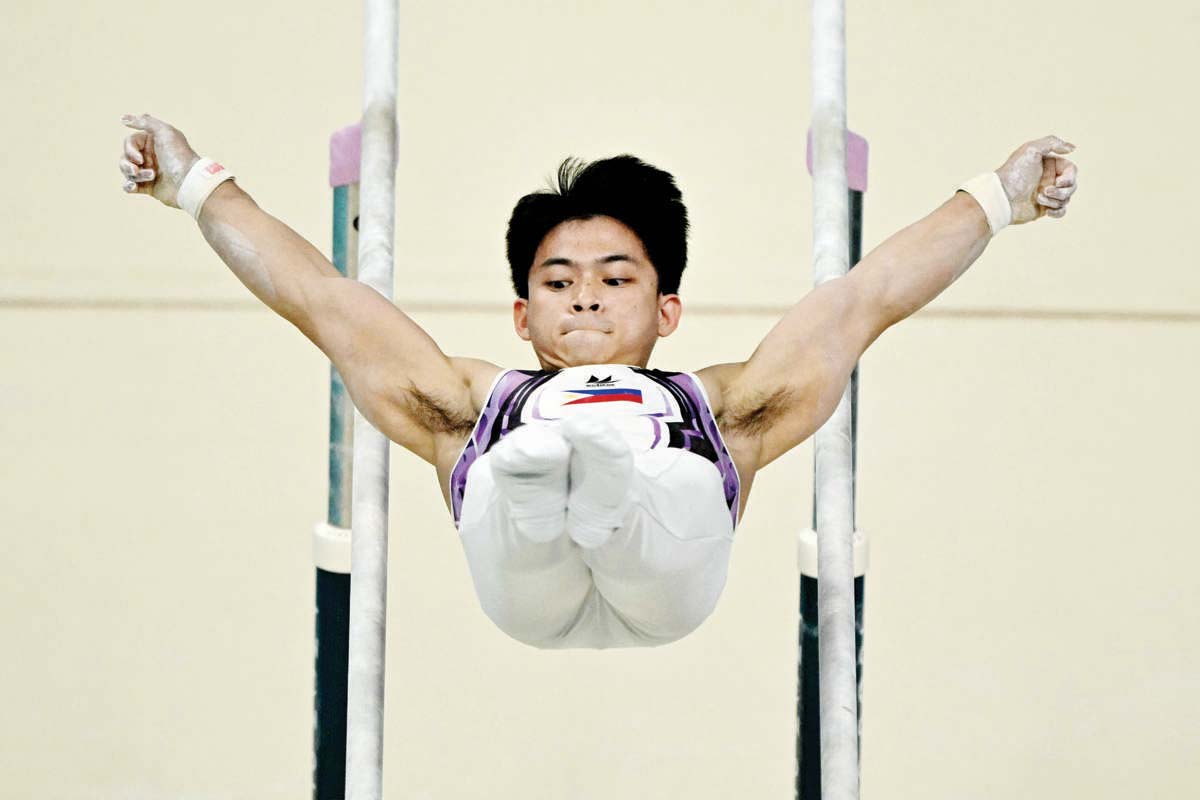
566 262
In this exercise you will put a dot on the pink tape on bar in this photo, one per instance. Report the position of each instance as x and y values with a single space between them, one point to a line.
345 156
856 160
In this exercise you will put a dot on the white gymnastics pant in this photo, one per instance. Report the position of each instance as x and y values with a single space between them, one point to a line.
654 581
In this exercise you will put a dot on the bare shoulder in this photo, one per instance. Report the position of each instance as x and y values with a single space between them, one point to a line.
478 375
716 381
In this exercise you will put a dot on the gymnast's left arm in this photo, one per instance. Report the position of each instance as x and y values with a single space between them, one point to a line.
794 379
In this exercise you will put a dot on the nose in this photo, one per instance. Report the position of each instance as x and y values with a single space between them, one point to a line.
586 297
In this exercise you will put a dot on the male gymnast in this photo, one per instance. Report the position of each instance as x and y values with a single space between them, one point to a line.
595 498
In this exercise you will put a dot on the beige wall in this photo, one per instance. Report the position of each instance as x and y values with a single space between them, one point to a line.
1026 480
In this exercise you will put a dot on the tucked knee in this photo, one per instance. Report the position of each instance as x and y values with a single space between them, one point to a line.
531 452
529 467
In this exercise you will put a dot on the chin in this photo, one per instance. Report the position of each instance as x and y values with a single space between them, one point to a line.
590 350
580 357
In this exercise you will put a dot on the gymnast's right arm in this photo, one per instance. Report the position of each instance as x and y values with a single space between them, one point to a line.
396 374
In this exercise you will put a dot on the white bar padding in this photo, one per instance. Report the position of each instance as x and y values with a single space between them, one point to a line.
833 445
988 191
331 548
368 587
806 553
368 614
201 181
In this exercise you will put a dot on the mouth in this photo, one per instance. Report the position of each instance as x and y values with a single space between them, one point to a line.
572 327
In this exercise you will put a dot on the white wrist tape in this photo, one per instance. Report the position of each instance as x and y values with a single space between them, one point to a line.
204 176
989 193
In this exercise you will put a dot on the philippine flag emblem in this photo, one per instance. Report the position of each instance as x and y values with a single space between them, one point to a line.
613 395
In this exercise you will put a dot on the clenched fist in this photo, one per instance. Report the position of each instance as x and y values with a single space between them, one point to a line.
155 159
1038 179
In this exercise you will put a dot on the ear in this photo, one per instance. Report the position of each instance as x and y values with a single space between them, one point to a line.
670 308
521 318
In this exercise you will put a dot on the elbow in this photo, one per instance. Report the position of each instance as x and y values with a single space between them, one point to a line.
877 304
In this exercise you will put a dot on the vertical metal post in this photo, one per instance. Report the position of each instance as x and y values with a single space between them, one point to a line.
834 459
368 590
808 723
333 572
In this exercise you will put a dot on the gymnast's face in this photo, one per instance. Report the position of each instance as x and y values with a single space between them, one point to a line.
593 297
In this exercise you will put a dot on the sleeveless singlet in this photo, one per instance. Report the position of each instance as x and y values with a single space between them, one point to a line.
650 408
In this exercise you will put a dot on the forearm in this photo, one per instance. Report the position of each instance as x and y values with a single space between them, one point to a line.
915 265
273 261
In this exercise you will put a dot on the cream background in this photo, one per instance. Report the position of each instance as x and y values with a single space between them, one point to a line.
1026 442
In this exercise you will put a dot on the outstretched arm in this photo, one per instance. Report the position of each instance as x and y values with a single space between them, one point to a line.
792 382
396 374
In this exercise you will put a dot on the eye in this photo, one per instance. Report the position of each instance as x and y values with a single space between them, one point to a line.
616 281
557 284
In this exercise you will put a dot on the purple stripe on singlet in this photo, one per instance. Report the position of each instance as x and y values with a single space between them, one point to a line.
700 414
496 420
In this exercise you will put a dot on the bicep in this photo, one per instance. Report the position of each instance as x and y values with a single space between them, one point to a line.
395 373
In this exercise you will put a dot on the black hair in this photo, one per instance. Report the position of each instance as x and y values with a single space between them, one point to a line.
625 188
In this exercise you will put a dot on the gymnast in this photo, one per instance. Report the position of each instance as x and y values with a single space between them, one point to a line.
595 498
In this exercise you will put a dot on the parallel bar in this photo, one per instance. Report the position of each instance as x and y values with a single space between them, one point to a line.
368 589
808 742
834 456
808 706
333 588
856 212
329 696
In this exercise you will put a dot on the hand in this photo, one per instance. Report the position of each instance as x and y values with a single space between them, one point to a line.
156 159
1038 180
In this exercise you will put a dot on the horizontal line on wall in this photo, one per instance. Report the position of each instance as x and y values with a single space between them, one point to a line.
698 309
1067 314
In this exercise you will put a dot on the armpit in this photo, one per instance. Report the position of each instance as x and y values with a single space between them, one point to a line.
755 415
437 416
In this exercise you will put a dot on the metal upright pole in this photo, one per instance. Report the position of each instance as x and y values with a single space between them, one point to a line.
331 542
808 706
368 589
834 456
